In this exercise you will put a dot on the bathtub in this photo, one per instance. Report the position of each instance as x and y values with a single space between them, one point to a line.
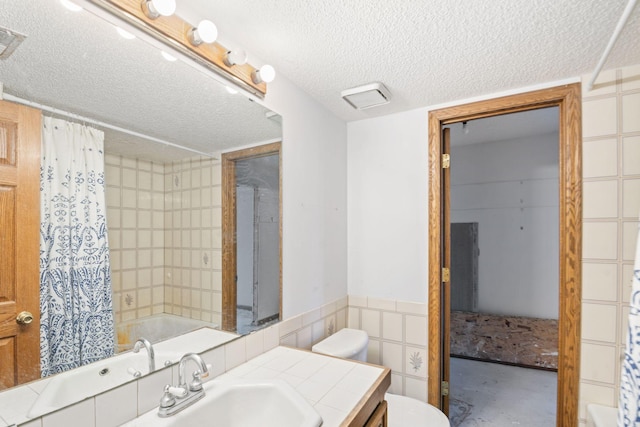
601 416
156 328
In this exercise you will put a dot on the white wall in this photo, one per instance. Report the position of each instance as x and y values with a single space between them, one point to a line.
510 188
387 206
314 199
244 235
268 291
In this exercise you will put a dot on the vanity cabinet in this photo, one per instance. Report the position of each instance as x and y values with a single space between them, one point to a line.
379 416
371 411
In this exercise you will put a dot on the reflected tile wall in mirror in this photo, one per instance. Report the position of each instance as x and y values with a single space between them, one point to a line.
193 243
135 220
164 224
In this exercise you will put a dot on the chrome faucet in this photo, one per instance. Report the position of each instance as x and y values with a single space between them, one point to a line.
177 398
203 372
143 342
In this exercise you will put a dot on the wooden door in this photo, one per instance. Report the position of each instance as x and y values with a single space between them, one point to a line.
20 130
446 266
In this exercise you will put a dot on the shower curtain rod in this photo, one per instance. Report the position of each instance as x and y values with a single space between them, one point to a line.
9 97
612 41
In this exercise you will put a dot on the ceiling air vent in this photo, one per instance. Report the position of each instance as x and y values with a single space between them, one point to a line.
9 41
367 96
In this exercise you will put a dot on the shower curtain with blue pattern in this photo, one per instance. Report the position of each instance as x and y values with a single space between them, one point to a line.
76 325
629 405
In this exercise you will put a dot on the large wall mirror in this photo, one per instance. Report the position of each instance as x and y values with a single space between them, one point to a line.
164 202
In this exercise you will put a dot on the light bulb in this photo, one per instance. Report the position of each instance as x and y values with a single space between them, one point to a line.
155 8
125 34
234 57
465 128
231 90
265 74
167 56
205 32
70 5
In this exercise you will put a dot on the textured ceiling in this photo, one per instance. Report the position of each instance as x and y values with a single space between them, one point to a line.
426 52
76 62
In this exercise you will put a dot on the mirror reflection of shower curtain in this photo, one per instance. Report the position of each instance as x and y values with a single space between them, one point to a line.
629 406
75 281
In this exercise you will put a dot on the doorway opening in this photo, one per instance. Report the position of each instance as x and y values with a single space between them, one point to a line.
567 99
503 307
251 238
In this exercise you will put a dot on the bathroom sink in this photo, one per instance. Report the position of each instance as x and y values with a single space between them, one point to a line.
241 403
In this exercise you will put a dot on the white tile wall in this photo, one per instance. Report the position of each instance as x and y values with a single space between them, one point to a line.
599 322
600 281
600 199
116 406
630 154
611 122
397 339
599 117
600 240
82 413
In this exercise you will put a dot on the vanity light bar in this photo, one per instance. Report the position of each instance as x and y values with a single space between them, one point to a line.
173 31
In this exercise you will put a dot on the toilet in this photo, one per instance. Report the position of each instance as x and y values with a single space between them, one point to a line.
402 411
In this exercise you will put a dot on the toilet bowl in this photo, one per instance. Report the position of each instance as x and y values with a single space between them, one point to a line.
402 411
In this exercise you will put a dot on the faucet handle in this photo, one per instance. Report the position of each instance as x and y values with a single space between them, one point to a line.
196 383
168 399
179 392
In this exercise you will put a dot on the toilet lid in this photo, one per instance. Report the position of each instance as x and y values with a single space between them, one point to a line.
407 412
344 343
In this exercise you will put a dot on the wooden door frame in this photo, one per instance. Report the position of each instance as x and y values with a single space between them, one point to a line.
229 244
568 100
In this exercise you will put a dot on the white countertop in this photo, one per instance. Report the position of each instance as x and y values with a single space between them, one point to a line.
332 386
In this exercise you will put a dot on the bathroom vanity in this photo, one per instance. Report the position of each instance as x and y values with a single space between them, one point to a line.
343 393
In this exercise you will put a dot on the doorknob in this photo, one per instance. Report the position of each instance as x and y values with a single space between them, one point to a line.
24 318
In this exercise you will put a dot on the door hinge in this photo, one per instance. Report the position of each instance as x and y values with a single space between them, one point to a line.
446 275
446 161
445 388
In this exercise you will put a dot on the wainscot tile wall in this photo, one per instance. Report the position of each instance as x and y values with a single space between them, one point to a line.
611 171
397 339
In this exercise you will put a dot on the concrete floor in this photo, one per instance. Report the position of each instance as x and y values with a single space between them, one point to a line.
490 394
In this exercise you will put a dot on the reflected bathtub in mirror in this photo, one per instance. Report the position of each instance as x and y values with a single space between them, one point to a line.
69 387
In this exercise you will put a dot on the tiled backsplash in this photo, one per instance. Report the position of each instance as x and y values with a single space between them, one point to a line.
397 339
611 171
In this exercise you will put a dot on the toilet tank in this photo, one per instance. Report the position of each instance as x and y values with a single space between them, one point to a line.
346 343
